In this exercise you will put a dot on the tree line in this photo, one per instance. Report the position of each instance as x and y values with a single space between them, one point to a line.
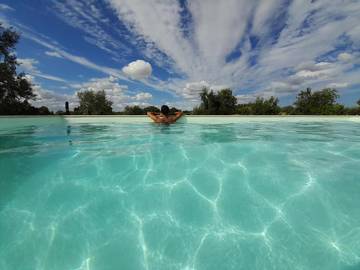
308 102
223 102
16 91
96 103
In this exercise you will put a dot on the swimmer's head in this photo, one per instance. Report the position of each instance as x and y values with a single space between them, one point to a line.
165 110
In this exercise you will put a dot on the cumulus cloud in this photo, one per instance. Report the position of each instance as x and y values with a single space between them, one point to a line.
51 99
345 57
138 70
143 96
119 94
114 91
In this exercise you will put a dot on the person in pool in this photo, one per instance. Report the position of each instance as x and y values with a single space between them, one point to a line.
164 116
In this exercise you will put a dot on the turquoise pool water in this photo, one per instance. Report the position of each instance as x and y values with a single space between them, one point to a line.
206 193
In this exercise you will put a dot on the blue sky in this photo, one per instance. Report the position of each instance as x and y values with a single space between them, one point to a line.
155 52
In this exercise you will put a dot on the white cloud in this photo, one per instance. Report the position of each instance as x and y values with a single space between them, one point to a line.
29 65
53 54
345 57
54 101
6 7
216 28
71 57
114 91
196 50
90 18
338 85
192 90
246 98
138 70
143 96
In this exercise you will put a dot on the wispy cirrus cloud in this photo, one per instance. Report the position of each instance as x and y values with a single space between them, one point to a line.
89 17
61 53
5 7
29 65
248 47
258 48
53 54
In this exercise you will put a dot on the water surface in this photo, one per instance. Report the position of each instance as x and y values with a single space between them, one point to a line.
257 193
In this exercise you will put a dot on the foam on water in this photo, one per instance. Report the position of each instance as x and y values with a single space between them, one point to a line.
249 193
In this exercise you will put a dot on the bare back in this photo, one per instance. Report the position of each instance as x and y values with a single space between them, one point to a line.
164 119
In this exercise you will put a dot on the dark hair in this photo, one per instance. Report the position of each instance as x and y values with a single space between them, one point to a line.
165 110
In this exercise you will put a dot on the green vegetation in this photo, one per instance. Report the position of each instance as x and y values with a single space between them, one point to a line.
93 103
261 106
222 102
307 102
15 89
321 102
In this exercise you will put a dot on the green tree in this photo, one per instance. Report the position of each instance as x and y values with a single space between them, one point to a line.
134 110
287 110
244 109
358 102
222 102
173 110
227 102
261 106
151 109
15 90
93 103
266 106
319 102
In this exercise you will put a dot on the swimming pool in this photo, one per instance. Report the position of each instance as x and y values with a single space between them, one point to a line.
205 193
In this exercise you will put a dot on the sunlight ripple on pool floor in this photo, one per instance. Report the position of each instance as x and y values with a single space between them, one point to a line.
252 195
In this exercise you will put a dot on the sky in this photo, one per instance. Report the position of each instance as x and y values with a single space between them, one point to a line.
165 51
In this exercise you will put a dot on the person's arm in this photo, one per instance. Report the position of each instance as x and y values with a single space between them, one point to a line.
177 115
152 116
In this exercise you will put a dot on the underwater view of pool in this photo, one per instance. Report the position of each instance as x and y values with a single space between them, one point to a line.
108 193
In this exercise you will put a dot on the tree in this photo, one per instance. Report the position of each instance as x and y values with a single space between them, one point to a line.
43 110
358 102
15 90
319 102
133 110
261 106
287 110
266 106
151 109
222 102
227 102
93 103
173 110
